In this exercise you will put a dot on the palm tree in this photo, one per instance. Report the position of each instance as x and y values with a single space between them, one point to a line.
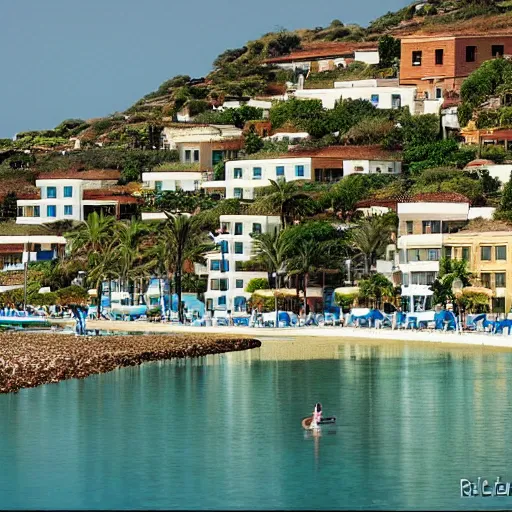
184 241
306 258
91 242
129 251
449 270
285 199
375 288
269 251
370 237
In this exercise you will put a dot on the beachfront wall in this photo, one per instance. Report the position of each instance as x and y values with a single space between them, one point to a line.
489 259
227 281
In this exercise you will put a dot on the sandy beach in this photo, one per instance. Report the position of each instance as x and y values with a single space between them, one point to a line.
339 333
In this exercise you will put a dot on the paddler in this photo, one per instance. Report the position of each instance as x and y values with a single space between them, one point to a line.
317 414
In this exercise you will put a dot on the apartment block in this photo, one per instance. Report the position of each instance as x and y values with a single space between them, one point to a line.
227 276
435 64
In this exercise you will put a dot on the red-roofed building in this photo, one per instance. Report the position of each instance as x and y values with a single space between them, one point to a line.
324 56
74 195
324 164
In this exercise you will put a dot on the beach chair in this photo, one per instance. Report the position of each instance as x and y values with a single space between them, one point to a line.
412 323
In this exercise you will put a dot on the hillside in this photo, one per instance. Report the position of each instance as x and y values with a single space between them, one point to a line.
239 72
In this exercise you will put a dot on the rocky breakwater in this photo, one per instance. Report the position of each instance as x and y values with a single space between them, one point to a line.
32 359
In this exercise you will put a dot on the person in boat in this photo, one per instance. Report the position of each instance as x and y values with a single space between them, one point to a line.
317 414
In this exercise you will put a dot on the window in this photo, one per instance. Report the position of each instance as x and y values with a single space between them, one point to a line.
378 170
196 185
470 53
280 170
158 186
37 211
68 209
498 305
224 248
501 252
485 278
209 304
423 278
497 50
500 279
448 252
216 265
239 266
238 193
217 156
239 228
433 255
485 253
221 301
68 191
431 226
358 168
238 173
256 173
416 58
196 155
51 192
239 247
465 253
439 93
188 154
396 101
51 210
408 227
239 283
299 171
439 57
256 228
219 284
177 185
375 100
390 169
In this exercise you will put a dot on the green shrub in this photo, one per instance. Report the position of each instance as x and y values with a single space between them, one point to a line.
257 283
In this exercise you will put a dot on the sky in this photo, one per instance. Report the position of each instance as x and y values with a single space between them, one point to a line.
67 59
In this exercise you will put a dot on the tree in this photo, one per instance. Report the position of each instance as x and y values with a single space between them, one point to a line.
285 199
370 237
306 259
449 270
389 51
375 288
253 142
257 283
183 241
93 242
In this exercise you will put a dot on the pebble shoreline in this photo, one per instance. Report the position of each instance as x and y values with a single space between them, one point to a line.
31 359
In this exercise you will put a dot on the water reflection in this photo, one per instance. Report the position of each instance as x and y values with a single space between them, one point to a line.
224 431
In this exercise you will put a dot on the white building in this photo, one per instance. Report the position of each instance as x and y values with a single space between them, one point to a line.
188 181
382 93
226 279
72 196
423 225
16 250
326 164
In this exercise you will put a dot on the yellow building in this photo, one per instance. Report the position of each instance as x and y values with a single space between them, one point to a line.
489 257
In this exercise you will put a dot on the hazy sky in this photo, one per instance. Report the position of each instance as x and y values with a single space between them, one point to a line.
63 58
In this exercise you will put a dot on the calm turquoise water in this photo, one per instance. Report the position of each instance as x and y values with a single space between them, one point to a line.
224 432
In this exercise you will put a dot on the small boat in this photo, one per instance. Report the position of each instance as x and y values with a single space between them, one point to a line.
306 422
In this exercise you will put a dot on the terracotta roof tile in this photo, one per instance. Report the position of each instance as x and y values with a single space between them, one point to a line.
479 163
93 174
439 197
374 152
320 50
